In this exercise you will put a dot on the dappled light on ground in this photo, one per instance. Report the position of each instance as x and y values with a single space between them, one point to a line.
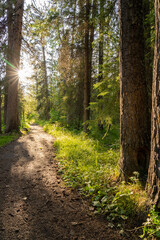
34 203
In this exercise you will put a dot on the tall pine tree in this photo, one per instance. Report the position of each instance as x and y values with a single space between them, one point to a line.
135 129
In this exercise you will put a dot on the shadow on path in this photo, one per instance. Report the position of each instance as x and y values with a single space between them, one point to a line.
34 204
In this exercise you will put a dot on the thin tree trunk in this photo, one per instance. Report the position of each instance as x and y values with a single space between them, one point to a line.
101 43
0 109
73 27
9 55
91 39
134 114
14 47
154 167
5 98
45 84
86 113
101 39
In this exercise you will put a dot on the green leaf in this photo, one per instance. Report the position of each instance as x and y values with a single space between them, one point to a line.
96 204
124 217
96 85
104 199
158 234
103 93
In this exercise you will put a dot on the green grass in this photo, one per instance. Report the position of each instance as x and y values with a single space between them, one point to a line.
5 139
92 166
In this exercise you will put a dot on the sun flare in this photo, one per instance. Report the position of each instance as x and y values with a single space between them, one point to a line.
25 74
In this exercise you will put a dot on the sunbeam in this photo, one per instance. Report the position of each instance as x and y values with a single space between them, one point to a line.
25 73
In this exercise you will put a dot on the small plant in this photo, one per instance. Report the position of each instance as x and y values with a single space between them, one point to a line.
117 203
151 228
54 116
25 124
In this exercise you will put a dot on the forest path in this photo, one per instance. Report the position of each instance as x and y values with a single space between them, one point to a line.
34 204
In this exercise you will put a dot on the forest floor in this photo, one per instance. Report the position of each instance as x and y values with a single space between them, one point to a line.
34 202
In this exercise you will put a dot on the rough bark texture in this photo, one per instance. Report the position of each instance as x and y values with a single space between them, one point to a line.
154 167
86 113
14 47
135 129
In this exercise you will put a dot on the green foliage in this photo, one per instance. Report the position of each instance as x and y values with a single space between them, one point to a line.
109 136
54 116
5 139
151 228
149 25
25 124
93 166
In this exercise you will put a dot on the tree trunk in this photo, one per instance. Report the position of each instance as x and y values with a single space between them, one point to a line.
101 43
134 115
14 47
47 108
0 108
5 98
154 167
86 113
9 55
101 38
73 27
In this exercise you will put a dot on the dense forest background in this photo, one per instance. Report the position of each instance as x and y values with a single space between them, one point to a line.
60 41
86 66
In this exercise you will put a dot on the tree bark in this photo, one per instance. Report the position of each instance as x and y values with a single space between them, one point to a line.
0 108
14 47
47 108
9 55
154 167
101 39
134 115
86 113
73 27
101 55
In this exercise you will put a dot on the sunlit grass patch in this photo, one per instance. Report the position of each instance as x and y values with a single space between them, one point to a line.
5 139
92 165
83 154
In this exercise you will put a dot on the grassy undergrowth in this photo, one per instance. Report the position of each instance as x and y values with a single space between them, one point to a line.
7 138
92 166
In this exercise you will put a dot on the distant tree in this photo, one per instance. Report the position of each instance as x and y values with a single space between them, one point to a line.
154 166
135 128
70 61
15 14
87 80
36 34
2 33
101 38
45 77
0 108
101 49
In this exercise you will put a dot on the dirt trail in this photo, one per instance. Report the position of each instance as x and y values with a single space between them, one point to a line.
34 204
